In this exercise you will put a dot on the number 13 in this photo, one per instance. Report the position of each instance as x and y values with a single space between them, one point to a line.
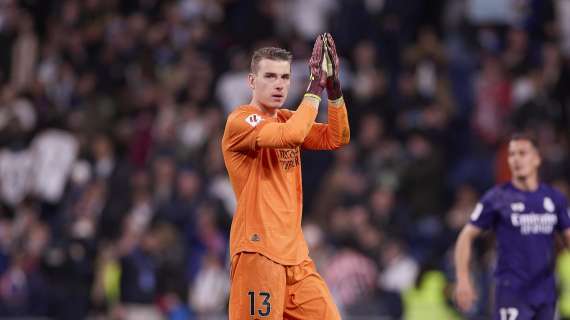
265 303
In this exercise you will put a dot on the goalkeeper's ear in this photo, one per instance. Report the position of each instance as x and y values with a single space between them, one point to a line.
251 80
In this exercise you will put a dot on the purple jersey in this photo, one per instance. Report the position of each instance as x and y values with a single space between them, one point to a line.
525 224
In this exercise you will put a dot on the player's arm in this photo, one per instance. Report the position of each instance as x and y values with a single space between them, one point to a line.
336 132
332 135
243 135
246 131
293 132
483 217
464 291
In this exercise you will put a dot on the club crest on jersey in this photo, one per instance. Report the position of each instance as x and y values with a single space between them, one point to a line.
548 204
517 207
253 119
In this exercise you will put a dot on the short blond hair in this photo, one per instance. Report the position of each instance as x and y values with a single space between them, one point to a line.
271 53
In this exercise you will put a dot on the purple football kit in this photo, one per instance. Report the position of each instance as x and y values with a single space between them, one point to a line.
525 223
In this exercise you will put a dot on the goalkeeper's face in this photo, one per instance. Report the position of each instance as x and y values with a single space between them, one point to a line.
270 84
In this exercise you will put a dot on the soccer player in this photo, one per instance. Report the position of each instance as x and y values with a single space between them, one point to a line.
272 275
525 215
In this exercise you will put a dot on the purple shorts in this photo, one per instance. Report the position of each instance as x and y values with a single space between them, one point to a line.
509 306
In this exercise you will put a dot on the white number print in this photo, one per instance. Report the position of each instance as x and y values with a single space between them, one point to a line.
509 313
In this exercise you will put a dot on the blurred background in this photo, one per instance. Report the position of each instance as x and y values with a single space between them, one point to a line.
115 203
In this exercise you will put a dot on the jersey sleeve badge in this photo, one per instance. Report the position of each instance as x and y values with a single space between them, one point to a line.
253 120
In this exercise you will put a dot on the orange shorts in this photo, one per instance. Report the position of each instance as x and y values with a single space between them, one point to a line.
263 289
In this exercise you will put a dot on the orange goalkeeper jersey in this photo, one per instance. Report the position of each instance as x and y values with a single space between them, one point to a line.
262 156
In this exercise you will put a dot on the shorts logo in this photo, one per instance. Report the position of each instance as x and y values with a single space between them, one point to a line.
517 207
253 120
548 204
255 237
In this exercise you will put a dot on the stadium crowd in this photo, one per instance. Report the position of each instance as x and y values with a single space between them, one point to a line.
115 203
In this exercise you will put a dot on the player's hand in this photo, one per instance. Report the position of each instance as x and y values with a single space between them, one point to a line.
333 80
465 295
317 75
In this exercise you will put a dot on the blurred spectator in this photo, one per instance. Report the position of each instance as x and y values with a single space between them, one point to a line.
211 288
205 239
429 60
106 285
138 281
351 276
386 213
232 88
493 101
428 299
181 210
516 56
399 269
562 268
25 52
320 249
308 18
15 168
421 186
463 204
563 12
54 153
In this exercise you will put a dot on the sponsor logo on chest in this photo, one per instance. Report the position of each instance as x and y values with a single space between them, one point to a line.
533 222
288 158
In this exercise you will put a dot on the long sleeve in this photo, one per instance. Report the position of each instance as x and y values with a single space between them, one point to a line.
333 134
291 133
247 130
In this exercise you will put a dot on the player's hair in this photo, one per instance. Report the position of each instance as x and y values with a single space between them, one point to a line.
270 53
526 136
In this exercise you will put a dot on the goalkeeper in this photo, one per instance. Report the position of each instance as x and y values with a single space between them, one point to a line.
272 275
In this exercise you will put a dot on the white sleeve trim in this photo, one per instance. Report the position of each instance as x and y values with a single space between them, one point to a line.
477 212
